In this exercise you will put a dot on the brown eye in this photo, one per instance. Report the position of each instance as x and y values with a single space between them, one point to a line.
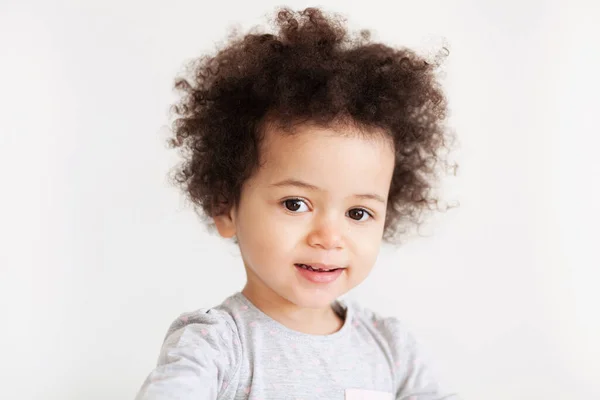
358 214
295 205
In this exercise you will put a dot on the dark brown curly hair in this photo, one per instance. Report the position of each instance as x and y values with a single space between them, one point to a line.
310 71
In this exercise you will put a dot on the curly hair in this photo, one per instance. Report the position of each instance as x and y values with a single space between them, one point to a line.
311 71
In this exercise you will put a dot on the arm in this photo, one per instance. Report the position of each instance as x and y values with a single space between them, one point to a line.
197 359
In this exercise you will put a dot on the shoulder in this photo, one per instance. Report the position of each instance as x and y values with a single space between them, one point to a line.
200 357
204 333
392 335
205 322
390 328
413 365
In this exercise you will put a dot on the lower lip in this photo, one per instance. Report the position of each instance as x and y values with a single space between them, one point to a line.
320 277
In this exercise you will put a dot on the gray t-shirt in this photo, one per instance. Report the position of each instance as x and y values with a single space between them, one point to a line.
236 352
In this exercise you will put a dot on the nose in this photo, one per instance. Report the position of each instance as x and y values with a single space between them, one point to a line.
326 234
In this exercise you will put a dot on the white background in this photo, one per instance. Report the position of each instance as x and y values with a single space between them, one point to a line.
99 254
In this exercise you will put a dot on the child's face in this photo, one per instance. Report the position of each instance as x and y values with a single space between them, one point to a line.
309 203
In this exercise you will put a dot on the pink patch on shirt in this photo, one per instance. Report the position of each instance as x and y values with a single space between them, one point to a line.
244 307
253 324
247 390
272 332
184 319
318 390
276 358
204 332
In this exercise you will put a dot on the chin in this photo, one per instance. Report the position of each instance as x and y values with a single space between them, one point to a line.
313 298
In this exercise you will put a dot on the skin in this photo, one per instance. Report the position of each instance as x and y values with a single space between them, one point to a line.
307 203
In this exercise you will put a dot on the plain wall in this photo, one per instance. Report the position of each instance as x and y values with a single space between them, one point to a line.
99 253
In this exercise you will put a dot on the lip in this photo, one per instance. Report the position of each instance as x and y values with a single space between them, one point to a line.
320 278
322 266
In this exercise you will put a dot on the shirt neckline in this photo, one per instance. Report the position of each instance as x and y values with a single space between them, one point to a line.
338 306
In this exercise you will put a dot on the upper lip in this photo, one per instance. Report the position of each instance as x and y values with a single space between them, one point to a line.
322 266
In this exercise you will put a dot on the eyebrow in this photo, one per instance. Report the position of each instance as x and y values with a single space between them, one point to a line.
305 185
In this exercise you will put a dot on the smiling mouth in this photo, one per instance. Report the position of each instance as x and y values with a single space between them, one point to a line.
317 269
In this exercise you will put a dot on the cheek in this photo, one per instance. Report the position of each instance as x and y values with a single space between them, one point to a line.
366 249
368 256
264 237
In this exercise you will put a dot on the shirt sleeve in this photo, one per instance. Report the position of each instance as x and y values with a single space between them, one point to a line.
198 358
416 379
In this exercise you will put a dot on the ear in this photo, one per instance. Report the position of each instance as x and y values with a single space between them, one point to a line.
225 224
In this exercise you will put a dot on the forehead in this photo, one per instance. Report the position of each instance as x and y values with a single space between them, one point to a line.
327 157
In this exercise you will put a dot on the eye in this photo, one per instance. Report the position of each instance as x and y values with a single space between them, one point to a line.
359 214
295 205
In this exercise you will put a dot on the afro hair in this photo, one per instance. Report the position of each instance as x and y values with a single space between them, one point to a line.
311 70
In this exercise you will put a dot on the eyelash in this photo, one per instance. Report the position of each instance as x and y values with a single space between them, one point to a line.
369 213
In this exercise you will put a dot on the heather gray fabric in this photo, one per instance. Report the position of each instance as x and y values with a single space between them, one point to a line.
236 352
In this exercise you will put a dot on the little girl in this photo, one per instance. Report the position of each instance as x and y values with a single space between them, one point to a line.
307 148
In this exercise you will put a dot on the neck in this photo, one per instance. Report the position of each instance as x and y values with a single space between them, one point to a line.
314 321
